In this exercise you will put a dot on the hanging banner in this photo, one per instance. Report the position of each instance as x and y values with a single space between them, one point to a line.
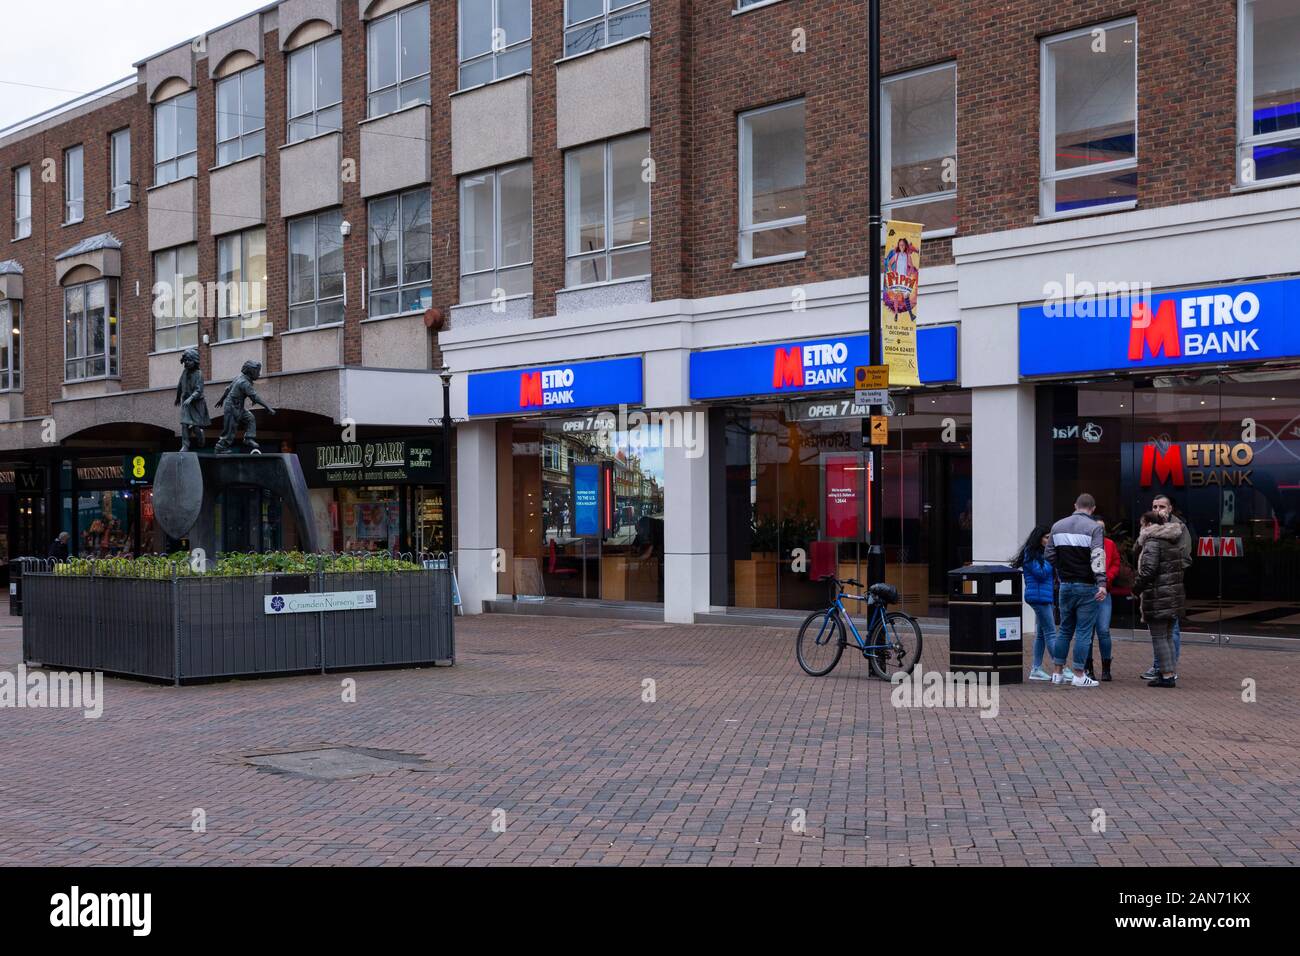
899 292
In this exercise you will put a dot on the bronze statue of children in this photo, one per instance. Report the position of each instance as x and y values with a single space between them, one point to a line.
194 407
233 414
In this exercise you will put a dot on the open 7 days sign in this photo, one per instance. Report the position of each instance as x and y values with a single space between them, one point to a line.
324 601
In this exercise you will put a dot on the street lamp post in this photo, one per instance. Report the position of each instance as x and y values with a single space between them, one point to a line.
876 498
445 374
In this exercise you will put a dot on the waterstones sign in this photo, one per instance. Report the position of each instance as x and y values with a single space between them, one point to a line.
372 462
315 603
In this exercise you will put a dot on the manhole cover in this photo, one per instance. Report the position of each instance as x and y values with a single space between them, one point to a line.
335 763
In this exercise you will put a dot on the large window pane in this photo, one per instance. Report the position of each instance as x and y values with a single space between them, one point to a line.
631 201
252 102
229 120
1275 65
517 215
477 196
302 261
382 55
329 72
475 28
777 172
417 244
415 41
384 242
1095 97
301 89
586 199
923 132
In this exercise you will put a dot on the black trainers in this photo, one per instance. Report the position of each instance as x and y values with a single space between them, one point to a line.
1163 682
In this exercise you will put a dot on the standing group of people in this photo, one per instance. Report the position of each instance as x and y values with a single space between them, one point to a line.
1091 571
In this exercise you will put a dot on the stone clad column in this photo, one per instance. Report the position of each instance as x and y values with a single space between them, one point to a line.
476 513
686 516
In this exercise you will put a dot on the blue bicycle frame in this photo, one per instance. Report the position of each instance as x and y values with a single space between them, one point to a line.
875 614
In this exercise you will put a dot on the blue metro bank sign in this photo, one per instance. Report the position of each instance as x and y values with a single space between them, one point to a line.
556 388
1255 321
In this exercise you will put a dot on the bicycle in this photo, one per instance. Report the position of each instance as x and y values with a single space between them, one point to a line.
895 635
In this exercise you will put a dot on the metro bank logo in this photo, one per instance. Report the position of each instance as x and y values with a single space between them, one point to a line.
601 383
550 387
816 365
1250 322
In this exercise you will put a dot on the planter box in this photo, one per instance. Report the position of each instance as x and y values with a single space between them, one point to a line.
205 628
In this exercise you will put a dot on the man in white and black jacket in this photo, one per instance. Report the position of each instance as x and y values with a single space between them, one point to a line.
1076 549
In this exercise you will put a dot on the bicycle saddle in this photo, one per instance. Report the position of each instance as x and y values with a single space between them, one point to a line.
884 593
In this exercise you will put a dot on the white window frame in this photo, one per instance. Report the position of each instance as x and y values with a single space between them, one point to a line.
251 325
745 182
495 271
246 150
22 224
74 205
184 313
399 83
1246 139
315 301
895 209
602 19
11 323
317 108
119 180
494 55
182 108
1048 176
401 286
111 331
610 248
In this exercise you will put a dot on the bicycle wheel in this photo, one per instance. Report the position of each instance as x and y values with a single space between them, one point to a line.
901 637
820 643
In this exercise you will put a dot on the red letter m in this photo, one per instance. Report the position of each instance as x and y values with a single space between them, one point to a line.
1158 332
530 389
787 367
1167 465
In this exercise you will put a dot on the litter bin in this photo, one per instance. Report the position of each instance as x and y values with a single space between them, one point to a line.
16 587
984 607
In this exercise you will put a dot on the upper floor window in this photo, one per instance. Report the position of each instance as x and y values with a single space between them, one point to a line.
316 89
175 311
317 284
241 285
773 220
74 185
919 143
175 143
592 24
22 202
1268 125
90 342
397 57
119 170
401 253
1089 119
11 344
241 116
496 233
607 211
495 40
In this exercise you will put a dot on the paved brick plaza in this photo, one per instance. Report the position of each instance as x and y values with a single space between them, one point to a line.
543 718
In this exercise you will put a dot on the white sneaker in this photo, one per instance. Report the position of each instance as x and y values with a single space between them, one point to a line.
1058 678
1084 681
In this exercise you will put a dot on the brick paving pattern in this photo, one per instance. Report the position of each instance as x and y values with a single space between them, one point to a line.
543 718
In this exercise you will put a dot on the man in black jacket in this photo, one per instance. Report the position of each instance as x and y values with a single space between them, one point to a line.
1076 548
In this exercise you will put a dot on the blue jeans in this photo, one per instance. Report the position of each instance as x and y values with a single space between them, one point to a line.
1044 633
1079 606
1177 637
1103 626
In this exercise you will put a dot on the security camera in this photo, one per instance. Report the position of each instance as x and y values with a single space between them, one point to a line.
345 228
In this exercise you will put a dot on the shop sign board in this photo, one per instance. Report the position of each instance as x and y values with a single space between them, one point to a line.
557 388
405 460
817 365
322 601
1247 322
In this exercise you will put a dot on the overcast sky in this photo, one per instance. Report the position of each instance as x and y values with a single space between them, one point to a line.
75 46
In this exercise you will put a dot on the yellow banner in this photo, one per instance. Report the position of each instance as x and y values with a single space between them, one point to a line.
899 287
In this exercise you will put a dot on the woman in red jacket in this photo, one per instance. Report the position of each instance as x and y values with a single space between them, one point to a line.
1123 589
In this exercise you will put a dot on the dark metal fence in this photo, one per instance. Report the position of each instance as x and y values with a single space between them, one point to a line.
181 628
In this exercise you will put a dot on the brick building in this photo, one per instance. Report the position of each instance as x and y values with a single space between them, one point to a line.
625 207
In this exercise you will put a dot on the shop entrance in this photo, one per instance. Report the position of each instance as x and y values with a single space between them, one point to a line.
1226 449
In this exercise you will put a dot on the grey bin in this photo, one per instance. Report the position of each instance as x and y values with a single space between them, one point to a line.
984 621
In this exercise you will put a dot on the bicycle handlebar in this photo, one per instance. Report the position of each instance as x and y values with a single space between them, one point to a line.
838 581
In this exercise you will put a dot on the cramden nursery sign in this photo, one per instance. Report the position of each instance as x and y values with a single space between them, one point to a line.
324 601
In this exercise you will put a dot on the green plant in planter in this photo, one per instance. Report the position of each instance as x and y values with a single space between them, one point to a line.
162 567
794 529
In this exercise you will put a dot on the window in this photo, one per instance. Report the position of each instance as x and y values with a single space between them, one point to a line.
592 24
241 285
241 116
401 253
317 284
1089 125
74 185
1269 91
11 344
920 146
316 89
398 60
175 312
496 233
607 211
495 40
773 221
175 147
22 202
119 170
90 330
